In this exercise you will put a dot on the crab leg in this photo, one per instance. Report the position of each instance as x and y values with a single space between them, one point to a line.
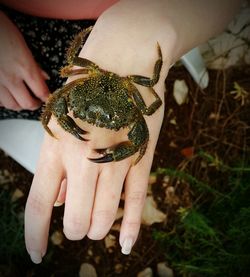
69 125
68 71
73 51
76 44
45 121
116 153
141 104
149 82
57 106
138 138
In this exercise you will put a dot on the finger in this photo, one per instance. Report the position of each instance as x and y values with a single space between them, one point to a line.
23 97
43 193
45 75
81 183
35 81
108 193
62 194
135 194
7 100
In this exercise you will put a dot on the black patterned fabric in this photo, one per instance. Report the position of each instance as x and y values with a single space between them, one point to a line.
48 40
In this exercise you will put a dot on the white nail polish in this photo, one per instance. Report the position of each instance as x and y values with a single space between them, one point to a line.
58 204
127 246
36 257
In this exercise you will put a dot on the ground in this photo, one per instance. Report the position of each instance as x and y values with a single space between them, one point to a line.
211 130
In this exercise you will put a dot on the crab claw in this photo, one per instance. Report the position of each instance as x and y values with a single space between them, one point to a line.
105 159
79 137
77 132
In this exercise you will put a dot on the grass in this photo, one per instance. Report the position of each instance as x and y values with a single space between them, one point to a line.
211 238
11 228
12 248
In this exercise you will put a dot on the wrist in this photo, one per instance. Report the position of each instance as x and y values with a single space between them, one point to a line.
122 44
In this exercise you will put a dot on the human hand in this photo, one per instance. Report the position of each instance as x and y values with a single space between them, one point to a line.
93 191
22 82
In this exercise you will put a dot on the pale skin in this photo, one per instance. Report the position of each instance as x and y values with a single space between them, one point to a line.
123 41
19 73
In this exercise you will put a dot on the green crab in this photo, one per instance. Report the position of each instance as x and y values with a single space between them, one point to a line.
103 99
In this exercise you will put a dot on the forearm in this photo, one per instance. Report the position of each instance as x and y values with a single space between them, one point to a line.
187 23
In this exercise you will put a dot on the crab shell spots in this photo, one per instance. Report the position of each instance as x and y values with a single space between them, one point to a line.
103 101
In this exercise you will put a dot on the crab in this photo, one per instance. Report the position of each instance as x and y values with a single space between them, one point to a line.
103 99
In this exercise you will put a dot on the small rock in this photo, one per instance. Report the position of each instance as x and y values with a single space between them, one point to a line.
151 214
118 268
110 241
164 271
166 179
119 213
90 252
147 272
87 270
16 195
170 197
116 227
180 91
6 177
173 144
97 259
173 121
57 238
214 116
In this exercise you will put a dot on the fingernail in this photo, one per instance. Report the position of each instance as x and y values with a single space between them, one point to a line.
45 75
127 246
58 204
36 257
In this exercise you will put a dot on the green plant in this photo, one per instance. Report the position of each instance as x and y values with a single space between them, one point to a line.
11 228
212 238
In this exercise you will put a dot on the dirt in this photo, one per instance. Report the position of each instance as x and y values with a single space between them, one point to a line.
211 120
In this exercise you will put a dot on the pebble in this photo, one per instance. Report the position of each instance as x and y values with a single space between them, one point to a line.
90 252
118 268
147 272
87 270
16 195
116 227
97 259
119 213
180 91
110 241
57 238
164 271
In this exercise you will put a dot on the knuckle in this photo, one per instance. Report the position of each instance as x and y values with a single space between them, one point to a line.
12 79
98 236
75 228
136 198
103 216
37 205
14 107
100 224
70 235
133 226
7 77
